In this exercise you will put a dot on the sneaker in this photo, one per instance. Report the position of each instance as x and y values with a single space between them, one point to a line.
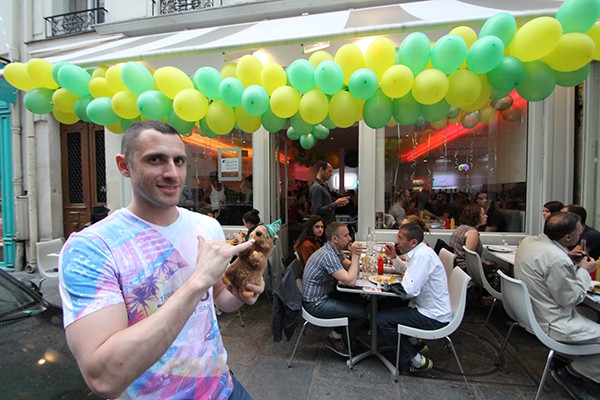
337 346
571 384
422 347
426 365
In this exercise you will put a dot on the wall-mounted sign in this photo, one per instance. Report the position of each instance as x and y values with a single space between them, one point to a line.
230 164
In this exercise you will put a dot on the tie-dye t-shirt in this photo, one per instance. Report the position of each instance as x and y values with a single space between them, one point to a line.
125 259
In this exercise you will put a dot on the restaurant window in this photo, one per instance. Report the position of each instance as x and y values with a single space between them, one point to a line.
433 169
219 177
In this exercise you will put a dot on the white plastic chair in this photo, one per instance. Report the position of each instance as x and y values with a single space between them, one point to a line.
323 323
447 258
475 270
47 259
517 304
458 299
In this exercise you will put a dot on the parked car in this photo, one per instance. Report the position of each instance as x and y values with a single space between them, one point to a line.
36 362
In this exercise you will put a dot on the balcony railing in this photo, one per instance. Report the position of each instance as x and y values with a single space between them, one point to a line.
178 6
74 22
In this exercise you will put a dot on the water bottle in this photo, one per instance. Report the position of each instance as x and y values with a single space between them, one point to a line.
370 242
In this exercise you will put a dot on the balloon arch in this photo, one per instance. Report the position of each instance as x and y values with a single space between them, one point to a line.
417 81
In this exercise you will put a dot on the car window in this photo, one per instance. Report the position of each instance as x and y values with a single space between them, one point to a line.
14 297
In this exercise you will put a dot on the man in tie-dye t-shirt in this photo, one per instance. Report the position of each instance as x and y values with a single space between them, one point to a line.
138 287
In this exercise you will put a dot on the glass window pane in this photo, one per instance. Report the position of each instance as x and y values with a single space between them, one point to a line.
208 189
433 169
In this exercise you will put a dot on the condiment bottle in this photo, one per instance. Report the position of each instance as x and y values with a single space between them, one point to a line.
447 223
380 266
452 223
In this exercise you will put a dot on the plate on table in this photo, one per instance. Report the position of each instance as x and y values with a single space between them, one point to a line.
371 289
500 249
390 279
594 287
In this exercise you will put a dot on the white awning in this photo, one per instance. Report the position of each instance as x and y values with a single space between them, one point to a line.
394 20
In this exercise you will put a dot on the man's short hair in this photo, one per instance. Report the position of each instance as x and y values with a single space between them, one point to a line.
413 231
322 165
130 135
333 229
579 210
560 224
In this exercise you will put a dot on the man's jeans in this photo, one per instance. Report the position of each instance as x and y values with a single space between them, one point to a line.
388 320
339 305
239 391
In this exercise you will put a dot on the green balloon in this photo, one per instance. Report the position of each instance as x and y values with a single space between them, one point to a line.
39 101
136 77
578 15
363 84
485 54
100 111
503 26
320 132
329 77
308 141
435 112
453 112
81 108
207 81
230 90
420 123
378 110
507 75
448 53
498 94
300 126
406 110
154 105
301 75
414 52
205 129
255 100
328 123
538 82
292 134
126 123
272 122
572 78
56 68
75 79
181 126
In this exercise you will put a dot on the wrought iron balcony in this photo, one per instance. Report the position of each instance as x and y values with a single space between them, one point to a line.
178 6
74 22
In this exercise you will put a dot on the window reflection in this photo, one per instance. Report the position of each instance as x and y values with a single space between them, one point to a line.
434 169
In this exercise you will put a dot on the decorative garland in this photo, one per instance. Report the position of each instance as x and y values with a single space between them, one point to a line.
414 83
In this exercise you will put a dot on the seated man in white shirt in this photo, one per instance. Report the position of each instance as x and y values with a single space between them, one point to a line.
426 286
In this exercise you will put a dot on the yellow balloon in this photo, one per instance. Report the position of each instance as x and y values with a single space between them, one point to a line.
220 117
99 87
228 71
113 77
171 80
100 72
248 70
467 33
343 109
594 34
439 124
483 98
349 58
190 105
285 101
361 107
272 76
41 72
314 107
487 114
574 51
64 117
318 57
380 55
464 88
116 127
536 39
246 122
16 74
397 81
391 123
430 86
64 101
124 104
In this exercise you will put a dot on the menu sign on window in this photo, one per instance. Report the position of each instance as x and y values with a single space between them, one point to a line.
230 164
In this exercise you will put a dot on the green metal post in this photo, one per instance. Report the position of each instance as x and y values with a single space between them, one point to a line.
6 175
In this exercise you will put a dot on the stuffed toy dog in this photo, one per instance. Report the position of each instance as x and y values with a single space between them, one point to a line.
250 264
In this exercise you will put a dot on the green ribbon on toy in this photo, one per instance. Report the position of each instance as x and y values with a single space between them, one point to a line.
273 228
